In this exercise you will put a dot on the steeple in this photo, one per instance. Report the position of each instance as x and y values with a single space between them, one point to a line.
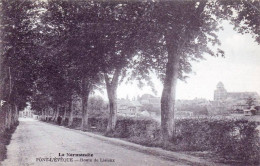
220 85
220 93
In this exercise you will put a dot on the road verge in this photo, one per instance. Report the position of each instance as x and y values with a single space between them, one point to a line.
168 155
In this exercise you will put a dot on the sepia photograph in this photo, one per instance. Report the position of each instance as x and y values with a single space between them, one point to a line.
129 82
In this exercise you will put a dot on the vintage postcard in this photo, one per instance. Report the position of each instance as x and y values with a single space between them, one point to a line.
129 82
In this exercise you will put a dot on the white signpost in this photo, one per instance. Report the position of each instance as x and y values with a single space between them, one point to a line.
2 103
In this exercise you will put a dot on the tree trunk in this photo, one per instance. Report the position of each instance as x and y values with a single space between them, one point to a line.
71 112
112 110
46 114
16 114
64 115
3 118
112 97
169 90
53 114
12 115
7 126
42 114
5 109
57 114
55 111
9 117
84 96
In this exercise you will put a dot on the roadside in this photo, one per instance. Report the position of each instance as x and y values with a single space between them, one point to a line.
155 151
33 142
204 138
5 138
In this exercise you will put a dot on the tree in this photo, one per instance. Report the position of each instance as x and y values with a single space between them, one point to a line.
250 101
16 47
97 107
244 15
61 48
183 30
76 43
107 49
176 32
118 48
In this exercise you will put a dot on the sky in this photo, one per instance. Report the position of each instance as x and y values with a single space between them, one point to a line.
239 70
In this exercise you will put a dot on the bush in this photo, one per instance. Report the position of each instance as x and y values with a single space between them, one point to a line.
100 124
142 128
136 127
66 122
5 138
229 139
76 122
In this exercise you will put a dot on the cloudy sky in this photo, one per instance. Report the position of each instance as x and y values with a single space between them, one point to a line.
239 70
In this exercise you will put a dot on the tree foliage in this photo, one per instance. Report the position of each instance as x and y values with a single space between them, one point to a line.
52 50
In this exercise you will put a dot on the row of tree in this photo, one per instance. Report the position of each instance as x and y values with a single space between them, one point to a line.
54 50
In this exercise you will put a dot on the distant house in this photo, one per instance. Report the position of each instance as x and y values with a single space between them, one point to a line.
148 99
238 107
27 112
183 114
254 110
247 112
234 101
128 108
257 110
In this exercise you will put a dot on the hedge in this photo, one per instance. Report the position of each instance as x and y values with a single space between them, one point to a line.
227 139
5 138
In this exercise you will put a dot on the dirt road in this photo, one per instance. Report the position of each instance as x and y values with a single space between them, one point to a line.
36 143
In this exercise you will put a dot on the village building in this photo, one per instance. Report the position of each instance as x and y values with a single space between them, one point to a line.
27 112
148 99
221 94
138 107
129 108
233 100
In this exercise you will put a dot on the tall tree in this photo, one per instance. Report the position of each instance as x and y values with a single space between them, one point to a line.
120 20
77 41
183 31
17 46
176 32
250 101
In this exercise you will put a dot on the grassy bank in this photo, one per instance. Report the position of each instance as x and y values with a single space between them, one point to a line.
5 138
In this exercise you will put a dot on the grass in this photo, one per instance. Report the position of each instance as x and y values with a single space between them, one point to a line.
5 139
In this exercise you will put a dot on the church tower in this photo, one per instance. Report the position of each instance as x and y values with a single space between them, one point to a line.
220 93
